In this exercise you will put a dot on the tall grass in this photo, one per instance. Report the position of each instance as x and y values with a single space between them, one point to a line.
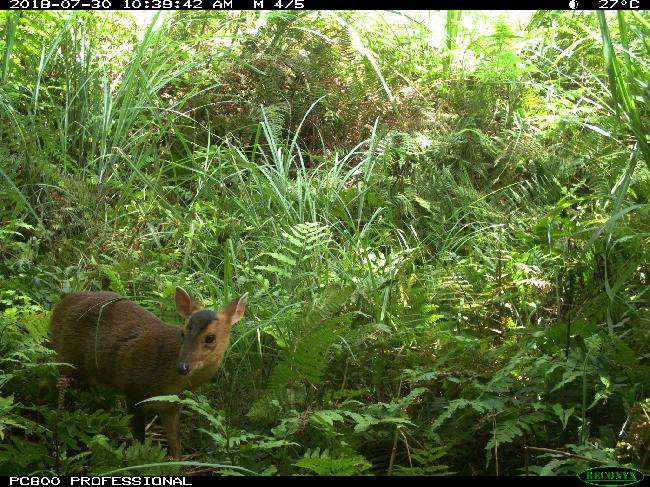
427 291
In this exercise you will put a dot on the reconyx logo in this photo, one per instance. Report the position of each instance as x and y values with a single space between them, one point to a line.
610 476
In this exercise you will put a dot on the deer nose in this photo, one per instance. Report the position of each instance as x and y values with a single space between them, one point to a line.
183 368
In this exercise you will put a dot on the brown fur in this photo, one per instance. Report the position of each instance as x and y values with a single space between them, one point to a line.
113 341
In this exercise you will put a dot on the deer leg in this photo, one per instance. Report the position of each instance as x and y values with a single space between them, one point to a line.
137 421
62 384
170 418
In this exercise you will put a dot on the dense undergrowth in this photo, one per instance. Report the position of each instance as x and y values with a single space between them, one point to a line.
444 235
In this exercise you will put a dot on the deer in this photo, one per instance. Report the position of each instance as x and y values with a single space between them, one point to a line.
102 337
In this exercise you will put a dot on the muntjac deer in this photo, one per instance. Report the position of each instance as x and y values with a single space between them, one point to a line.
113 341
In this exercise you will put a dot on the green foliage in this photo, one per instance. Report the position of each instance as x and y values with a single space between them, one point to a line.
303 363
105 457
441 220
426 462
322 463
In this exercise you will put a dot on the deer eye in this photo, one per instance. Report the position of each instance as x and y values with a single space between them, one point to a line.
209 339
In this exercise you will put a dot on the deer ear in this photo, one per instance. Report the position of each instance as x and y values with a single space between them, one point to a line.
235 309
185 305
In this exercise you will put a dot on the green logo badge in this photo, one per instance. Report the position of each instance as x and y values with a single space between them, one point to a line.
610 476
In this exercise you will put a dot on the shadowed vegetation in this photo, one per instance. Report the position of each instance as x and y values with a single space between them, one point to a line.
442 222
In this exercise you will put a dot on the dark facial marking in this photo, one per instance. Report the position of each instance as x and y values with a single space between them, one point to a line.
199 320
